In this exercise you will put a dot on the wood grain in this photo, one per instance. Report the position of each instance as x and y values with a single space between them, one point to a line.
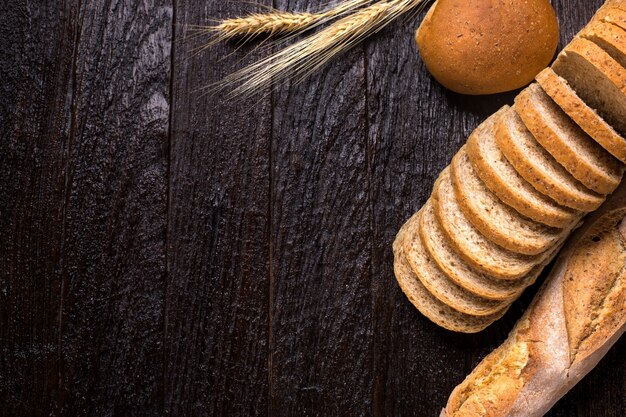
36 47
321 340
164 251
217 312
113 260
86 137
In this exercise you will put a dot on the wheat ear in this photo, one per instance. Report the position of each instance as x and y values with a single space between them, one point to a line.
305 56
274 22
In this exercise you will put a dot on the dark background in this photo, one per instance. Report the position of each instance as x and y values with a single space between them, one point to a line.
164 252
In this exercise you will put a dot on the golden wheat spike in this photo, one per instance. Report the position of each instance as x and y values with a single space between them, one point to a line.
304 57
274 22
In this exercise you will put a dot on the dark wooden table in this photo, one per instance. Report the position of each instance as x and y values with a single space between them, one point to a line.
168 253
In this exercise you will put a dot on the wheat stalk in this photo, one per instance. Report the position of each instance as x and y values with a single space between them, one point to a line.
304 57
272 23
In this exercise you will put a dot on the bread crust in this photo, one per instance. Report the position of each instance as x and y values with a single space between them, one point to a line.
465 48
494 219
460 272
567 192
426 303
553 361
600 67
523 197
566 142
587 118
437 282
615 16
609 37
476 249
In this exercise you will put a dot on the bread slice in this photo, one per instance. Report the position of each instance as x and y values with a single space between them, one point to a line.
437 283
614 16
502 179
494 219
598 79
576 317
539 168
587 118
460 272
475 248
609 37
425 302
580 155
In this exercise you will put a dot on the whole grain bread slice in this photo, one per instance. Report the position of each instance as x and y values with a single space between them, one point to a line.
539 168
425 302
495 220
459 271
568 144
587 118
476 249
576 317
609 37
504 181
436 281
598 79
613 16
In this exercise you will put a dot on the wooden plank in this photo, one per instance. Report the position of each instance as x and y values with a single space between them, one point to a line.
417 364
85 228
321 330
217 314
36 50
113 254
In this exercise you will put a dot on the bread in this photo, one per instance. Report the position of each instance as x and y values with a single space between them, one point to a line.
501 178
568 144
460 272
494 219
574 320
502 210
477 250
427 304
438 284
609 37
539 168
598 79
614 16
587 118
478 47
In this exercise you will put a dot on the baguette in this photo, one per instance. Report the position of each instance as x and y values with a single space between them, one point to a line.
578 314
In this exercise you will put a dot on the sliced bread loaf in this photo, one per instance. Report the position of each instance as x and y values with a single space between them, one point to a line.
614 16
475 248
502 179
609 37
425 302
437 283
586 117
597 79
539 168
494 219
568 144
460 272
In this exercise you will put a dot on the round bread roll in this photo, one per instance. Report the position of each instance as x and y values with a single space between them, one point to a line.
487 46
